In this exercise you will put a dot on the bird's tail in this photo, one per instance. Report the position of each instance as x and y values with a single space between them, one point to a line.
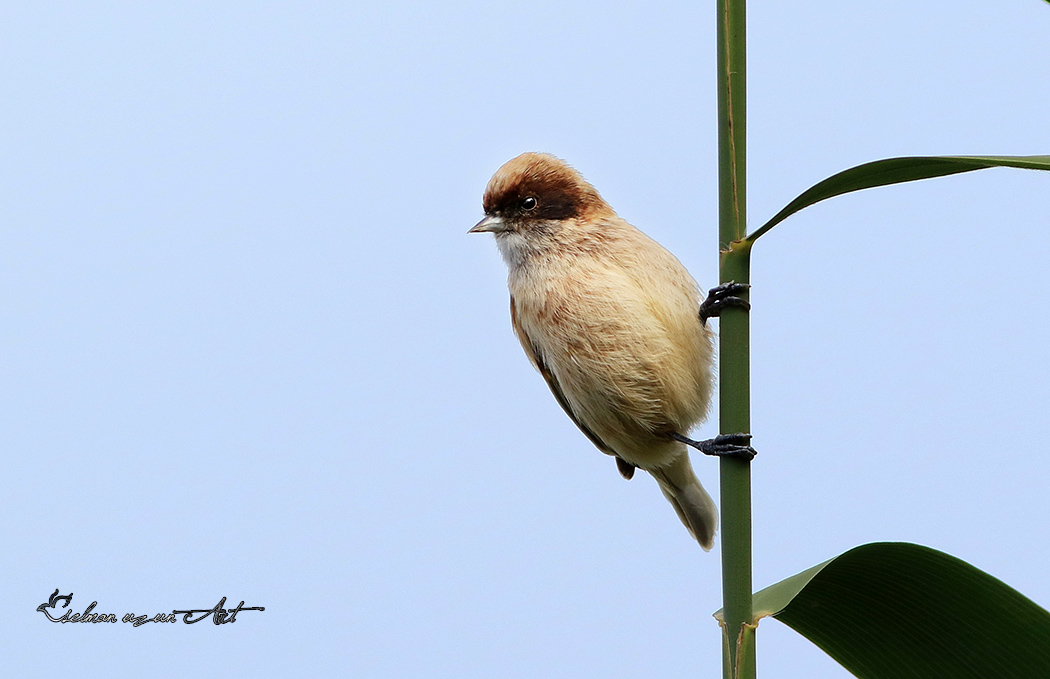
691 502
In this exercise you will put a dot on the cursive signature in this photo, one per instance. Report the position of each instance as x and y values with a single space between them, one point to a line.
219 614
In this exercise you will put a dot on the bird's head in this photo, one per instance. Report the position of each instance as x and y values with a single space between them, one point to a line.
537 194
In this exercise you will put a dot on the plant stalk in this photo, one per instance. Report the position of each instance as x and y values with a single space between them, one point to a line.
734 345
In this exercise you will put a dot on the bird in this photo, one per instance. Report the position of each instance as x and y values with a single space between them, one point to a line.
615 325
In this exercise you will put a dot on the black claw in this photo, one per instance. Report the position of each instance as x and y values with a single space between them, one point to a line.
729 288
722 297
738 439
723 445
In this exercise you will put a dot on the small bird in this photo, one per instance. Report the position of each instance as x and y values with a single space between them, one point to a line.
614 323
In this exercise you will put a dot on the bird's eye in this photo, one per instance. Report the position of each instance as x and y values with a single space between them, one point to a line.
529 203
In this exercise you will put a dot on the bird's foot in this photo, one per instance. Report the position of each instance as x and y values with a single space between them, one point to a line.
723 445
721 297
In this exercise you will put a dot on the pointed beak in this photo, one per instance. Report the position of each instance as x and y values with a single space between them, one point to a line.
490 224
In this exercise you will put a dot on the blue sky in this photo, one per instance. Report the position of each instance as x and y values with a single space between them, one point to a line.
249 350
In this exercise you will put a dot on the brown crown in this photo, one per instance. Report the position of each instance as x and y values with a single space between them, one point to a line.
559 190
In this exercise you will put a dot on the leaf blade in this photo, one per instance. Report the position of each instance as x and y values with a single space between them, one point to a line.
895 171
906 611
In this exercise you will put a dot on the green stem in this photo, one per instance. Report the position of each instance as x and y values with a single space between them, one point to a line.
735 474
734 366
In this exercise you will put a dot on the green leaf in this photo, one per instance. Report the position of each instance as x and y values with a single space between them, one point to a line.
896 171
899 610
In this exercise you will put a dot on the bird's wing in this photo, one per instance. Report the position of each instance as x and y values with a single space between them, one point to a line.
536 357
